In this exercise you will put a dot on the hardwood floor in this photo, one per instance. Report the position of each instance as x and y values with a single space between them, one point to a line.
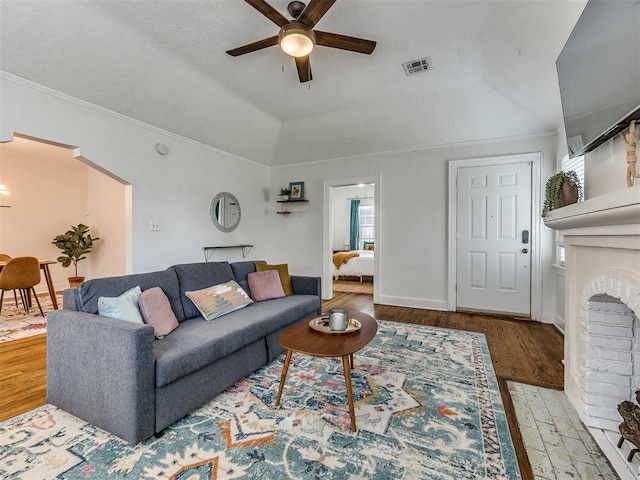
23 375
523 351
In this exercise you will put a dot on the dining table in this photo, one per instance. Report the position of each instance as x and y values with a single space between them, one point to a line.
44 266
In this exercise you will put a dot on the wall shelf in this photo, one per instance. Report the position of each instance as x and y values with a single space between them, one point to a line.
208 251
289 212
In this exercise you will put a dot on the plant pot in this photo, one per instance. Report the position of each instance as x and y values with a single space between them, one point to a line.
284 198
569 195
75 281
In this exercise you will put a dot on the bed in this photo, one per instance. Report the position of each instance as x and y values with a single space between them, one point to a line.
356 266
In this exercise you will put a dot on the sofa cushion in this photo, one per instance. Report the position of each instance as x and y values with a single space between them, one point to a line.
198 343
156 310
196 276
240 272
283 271
87 294
218 300
123 307
265 285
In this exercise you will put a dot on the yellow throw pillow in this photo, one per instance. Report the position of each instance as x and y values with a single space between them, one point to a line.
283 272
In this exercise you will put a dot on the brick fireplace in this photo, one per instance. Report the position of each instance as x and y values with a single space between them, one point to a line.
602 303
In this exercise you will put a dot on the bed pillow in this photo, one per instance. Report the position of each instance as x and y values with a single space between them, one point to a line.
213 302
265 285
283 272
124 307
156 310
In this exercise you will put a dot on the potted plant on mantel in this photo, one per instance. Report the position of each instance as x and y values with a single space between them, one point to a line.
75 244
562 189
284 193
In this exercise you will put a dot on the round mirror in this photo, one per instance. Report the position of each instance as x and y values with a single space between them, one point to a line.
225 211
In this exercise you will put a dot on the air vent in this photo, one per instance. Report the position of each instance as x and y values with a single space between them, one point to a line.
417 66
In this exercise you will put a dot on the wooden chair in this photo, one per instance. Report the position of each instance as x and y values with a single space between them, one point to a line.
5 258
21 273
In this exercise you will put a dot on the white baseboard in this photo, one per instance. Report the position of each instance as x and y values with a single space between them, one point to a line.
559 323
424 303
42 289
548 317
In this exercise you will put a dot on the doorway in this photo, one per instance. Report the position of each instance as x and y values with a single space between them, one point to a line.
52 187
338 236
494 235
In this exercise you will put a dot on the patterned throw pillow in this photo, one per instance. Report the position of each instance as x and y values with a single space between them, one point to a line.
124 307
283 271
218 300
265 285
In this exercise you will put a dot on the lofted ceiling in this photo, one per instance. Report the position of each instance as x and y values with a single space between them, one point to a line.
164 63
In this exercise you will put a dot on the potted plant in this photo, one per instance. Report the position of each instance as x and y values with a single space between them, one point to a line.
562 189
75 244
284 193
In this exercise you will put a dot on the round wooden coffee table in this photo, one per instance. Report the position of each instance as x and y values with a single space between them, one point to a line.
301 338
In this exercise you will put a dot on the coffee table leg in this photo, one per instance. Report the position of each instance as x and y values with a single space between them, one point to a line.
283 378
347 380
353 365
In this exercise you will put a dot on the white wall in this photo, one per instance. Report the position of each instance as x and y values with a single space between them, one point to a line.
108 216
175 189
341 211
413 239
606 168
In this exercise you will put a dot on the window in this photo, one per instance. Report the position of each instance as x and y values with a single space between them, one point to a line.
576 164
566 164
366 225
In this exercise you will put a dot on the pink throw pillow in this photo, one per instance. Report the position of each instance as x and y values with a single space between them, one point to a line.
156 310
265 285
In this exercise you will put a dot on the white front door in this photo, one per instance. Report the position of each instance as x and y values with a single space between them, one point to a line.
493 238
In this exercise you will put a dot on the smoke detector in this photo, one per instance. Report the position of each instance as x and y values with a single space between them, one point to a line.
417 66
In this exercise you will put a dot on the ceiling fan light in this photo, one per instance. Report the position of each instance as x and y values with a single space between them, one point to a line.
296 39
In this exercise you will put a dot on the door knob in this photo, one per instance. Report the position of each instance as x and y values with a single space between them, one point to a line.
525 250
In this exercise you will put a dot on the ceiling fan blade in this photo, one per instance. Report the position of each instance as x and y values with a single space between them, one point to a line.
344 42
314 11
252 47
304 69
269 12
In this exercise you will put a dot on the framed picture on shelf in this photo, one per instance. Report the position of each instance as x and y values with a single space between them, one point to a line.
297 191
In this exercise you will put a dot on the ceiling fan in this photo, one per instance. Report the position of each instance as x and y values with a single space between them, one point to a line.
297 37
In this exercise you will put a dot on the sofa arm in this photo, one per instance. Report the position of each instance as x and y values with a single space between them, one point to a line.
102 370
306 285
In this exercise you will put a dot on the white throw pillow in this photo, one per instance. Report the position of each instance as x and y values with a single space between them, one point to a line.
124 307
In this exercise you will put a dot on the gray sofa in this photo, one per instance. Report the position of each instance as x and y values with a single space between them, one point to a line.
116 375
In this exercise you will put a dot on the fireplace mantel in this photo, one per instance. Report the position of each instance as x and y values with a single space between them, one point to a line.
616 209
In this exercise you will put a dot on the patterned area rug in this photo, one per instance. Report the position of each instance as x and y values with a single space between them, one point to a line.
427 404
14 323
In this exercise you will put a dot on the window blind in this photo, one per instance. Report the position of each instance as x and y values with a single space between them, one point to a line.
576 164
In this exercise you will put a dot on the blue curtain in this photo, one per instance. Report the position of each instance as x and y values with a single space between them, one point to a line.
355 225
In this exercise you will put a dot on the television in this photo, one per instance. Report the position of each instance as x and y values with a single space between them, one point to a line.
599 74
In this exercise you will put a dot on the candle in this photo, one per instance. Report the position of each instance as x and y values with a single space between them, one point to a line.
338 319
